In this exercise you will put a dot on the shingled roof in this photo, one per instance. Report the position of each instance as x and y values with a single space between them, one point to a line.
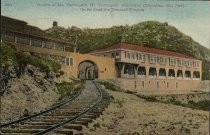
126 46
22 27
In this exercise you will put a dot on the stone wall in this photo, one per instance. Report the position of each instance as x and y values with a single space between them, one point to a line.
143 84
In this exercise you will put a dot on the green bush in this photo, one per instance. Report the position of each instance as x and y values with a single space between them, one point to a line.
96 125
148 98
7 55
202 105
45 64
110 86
10 56
119 103
67 89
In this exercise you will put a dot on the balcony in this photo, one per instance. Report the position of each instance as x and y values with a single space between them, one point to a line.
162 77
171 77
179 78
152 76
127 60
141 76
187 78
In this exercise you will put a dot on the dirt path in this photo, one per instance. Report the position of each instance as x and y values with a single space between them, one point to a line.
130 115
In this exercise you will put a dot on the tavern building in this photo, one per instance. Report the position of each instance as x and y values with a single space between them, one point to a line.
149 68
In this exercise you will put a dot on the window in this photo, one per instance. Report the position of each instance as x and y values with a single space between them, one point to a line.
23 40
8 37
188 63
144 57
117 55
133 55
152 59
113 55
180 62
59 46
196 64
191 63
69 61
48 45
141 57
161 60
172 61
129 55
137 56
36 42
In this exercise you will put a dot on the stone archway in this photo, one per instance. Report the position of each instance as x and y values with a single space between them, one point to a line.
87 70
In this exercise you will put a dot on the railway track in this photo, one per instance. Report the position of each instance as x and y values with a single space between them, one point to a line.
67 119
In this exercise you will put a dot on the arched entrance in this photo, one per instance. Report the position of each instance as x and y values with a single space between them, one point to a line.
87 70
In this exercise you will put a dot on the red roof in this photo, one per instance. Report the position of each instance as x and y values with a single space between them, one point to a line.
143 49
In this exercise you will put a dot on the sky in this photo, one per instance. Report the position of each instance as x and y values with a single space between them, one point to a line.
190 17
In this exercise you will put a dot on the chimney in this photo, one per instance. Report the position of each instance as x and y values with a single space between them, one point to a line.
55 24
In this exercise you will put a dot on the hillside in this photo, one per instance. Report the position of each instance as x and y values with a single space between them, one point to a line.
30 82
149 34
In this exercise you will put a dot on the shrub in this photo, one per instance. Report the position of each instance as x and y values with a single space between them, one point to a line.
66 89
119 103
110 86
44 64
61 73
10 56
96 125
148 98
202 105
7 55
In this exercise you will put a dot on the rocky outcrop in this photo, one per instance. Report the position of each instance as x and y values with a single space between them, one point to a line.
32 91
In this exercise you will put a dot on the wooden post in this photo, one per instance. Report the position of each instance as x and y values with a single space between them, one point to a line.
122 70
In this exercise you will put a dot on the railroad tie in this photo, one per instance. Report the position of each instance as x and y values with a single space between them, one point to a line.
65 131
73 126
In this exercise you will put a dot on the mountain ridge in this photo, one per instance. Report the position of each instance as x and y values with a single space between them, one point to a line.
148 33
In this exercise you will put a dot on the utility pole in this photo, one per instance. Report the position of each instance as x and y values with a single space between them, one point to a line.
75 47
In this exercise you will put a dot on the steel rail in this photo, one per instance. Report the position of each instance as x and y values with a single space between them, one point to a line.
41 113
59 125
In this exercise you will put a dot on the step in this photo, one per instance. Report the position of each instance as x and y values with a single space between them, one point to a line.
73 126
56 117
81 122
35 126
65 131
38 123
21 130
86 119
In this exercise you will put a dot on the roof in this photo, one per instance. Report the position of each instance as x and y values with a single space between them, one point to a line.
21 27
126 46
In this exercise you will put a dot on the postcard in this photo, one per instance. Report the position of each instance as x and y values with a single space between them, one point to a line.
111 67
